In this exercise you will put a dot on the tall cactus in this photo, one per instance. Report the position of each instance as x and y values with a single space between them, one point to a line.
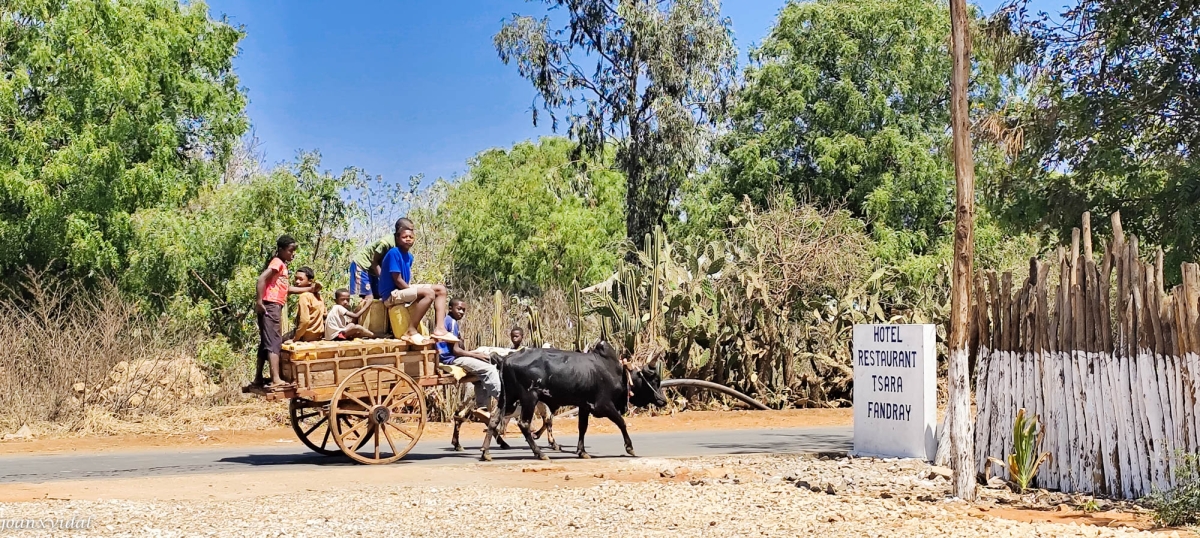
656 278
535 326
577 310
497 318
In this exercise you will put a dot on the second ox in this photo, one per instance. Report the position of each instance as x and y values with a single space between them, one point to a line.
596 382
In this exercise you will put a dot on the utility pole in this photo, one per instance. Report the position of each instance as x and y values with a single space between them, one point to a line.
962 449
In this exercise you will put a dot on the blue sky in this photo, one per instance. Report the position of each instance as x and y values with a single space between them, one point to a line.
399 88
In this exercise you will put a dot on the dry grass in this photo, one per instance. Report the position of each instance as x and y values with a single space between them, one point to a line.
553 310
90 361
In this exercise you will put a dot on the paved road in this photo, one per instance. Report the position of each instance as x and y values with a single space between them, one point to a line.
428 451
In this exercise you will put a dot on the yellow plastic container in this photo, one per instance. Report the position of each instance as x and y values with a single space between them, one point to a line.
399 317
375 319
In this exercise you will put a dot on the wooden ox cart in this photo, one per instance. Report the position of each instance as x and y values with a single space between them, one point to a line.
362 398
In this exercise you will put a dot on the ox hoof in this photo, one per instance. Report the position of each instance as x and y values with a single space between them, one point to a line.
556 447
630 452
503 446
585 455
485 457
543 457
458 448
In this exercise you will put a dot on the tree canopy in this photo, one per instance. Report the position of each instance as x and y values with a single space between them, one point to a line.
533 216
846 102
645 76
201 262
107 108
1110 122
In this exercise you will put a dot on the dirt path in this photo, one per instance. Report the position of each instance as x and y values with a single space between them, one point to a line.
198 437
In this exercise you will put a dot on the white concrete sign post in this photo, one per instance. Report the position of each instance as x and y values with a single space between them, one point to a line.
895 391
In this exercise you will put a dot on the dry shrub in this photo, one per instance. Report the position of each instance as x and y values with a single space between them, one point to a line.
442 402
552 310
85 360
799 250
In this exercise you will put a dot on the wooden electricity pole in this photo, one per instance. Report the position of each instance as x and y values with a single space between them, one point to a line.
962 444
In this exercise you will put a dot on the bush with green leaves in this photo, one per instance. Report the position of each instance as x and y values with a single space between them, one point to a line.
200 263
108 108
533 216
1023 463
1180 505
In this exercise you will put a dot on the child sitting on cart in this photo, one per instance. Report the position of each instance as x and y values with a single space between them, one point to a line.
340 323
397 291
310 309
472 362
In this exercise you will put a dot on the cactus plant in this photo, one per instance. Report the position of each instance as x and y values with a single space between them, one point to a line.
497 318
577 311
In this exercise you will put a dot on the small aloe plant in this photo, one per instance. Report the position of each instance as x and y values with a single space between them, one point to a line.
1023 463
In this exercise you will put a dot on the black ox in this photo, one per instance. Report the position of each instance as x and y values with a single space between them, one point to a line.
596 382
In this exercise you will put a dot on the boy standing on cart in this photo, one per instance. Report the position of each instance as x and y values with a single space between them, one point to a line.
365 267
397 290
271 293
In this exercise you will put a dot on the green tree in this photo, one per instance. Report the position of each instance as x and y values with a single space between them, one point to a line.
200 263
1110 123
846 102
532 217
644 75
107 107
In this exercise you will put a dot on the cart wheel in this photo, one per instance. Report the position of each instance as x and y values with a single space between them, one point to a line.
378 414
310 421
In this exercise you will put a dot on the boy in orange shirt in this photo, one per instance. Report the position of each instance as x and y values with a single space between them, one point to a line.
310 310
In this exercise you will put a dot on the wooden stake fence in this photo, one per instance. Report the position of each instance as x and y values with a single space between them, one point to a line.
1108 360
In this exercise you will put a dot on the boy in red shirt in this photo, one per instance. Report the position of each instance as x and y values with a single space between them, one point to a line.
271 294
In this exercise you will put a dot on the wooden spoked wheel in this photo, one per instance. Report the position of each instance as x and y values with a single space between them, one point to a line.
310 421
378 414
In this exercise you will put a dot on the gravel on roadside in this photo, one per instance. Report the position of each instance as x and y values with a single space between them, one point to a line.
724 496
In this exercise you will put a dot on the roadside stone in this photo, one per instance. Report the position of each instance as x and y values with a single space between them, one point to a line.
22 433
938 471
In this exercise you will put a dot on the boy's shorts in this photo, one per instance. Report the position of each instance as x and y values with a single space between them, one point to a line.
404 296
360 281
270 328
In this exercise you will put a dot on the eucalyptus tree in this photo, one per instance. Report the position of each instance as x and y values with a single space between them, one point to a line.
648 76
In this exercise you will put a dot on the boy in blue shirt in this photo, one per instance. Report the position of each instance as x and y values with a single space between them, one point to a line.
396 289
472 362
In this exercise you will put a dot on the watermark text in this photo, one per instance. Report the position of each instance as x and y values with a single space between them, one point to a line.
72 523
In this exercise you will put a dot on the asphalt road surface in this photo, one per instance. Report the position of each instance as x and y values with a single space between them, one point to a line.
429 451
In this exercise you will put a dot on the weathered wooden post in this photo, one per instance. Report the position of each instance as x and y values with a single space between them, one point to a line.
962 456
